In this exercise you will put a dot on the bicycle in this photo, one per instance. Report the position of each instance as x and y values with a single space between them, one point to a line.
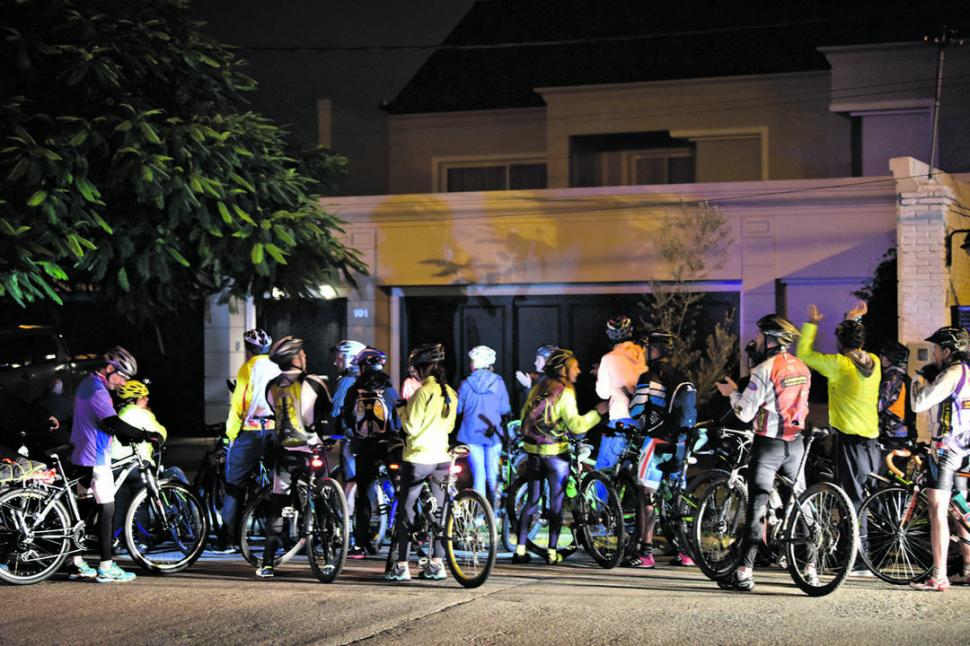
40 525
899 549
464 524
592 516
315 519
815 531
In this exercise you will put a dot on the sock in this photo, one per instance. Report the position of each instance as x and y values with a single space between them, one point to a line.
939 574
553 557
646 548
744 572
79 562
105 565
520 550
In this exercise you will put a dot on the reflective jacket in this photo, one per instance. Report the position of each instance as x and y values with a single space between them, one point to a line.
948 401
249 410
776 398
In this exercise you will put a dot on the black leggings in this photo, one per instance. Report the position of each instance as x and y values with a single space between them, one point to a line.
768 457
554 469
106 512
412 480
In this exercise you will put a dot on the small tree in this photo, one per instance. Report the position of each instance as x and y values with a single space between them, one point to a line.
692 242
130 165
881 294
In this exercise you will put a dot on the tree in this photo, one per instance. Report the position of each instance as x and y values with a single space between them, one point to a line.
692 242
130 166
881 294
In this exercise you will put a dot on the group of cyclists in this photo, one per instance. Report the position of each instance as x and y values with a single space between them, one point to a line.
278 411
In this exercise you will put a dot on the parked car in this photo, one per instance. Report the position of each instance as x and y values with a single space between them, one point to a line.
32 355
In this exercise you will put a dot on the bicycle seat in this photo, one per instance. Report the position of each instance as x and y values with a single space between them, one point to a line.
61 449
459 451
819 433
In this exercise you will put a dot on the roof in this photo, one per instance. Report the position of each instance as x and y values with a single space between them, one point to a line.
502 50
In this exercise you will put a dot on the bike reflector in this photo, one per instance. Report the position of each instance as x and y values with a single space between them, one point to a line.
456 468
316 462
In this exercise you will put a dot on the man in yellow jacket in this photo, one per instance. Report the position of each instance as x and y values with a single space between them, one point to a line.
853 387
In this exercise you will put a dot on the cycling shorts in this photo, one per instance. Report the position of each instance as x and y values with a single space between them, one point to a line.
942 471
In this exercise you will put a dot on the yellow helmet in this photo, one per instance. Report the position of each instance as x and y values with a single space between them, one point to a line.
133 389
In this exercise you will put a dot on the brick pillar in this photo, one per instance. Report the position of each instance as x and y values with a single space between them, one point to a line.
223 352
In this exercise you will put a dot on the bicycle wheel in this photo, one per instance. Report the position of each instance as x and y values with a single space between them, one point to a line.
166 534
537 536
328 530
689 503
719 527
470 539
820 539
252 527
379 513
898 523
601 526
31 549
631 506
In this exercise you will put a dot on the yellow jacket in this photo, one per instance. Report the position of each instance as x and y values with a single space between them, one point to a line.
563 417
425 429
248 403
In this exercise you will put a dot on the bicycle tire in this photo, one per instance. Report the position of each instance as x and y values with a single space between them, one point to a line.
379 513
719 527
833 541
689 504
631 506
898 552
470 538
328 530
537 539
149 542
252 531
28 503
606 546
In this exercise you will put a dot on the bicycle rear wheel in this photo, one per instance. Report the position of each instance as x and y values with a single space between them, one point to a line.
31 550
537 536
328 535
380 511
168 534
601 528
899 548
820 539
719 527
631 506
252 527
470 539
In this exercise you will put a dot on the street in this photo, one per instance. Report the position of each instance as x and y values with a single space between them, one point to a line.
219 601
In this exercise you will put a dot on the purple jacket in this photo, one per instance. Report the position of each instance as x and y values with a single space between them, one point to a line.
482 394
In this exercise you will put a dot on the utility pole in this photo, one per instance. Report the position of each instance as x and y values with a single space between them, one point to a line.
947 38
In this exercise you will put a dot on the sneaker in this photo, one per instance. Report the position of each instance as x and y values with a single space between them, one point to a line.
521 559
79 572
736 584
682 560
811 576
356 552
931 585
647 561
114 574
370 549
398 573
265 572
861 572
433 572
553 557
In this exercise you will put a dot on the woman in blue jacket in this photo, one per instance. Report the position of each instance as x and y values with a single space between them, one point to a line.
482 401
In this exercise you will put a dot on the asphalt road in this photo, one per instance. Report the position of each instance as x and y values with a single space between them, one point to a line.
219 601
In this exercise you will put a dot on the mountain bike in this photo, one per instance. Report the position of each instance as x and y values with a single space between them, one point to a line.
315 518
511 466
816 530
592 516
464 524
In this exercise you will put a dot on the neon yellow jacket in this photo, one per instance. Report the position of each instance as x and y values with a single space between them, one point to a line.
853 394
425 430
249 396
139 418
566 416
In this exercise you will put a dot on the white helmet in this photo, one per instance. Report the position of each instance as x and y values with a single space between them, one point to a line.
349 348
482 356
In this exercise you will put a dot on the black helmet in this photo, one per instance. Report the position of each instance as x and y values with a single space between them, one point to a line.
557 361
619 329
661 340
897 353
284 350
122 360
779 328
426 353
851 334
955 338
370 359
545 351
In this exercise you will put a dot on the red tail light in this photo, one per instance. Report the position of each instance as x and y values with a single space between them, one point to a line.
394 467
316 463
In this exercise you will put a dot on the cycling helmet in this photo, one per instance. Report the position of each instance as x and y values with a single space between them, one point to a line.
349 348
851 334
545 351
285 349
122 361
779 328
660 340
557 361
370 359
955 338
897 353
619 329
133 389
482 356
426 353
258 340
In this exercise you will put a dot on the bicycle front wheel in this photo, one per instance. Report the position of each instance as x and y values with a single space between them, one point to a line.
328 530
31 548
719 527
601 528
820 539
898 534
470 539
166 534
252 528
380 511
631 505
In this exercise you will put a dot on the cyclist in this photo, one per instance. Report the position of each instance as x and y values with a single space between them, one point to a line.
370 415
344 354
947 399
853 388
298 400
250 429
95 425
896 422
665 405
483 400
427 422
776 399
529 379
548 415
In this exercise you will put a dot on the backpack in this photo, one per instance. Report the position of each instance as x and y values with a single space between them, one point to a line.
538 425
371 416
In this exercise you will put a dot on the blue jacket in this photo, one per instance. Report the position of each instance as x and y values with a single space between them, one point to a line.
482 394
346 380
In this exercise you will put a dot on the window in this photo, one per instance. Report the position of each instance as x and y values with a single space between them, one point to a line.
624 159
492 175
670 166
